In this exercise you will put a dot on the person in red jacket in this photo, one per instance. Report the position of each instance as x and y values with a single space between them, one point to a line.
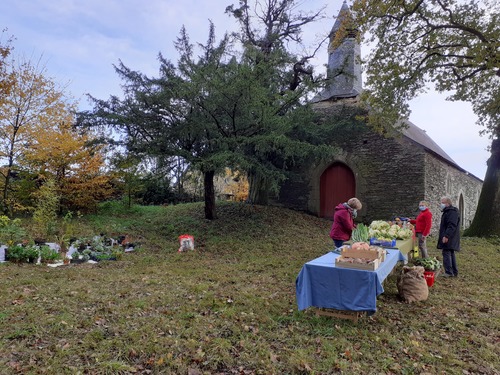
343 221
423 224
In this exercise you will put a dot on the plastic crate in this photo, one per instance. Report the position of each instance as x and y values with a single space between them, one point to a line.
376 242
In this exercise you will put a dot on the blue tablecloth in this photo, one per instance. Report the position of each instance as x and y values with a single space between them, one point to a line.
321 284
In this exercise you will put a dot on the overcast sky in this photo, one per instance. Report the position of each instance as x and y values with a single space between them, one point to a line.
81 40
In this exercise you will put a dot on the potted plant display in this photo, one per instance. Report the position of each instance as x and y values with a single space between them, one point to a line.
48 255
17 254
77 258
432 267
32 253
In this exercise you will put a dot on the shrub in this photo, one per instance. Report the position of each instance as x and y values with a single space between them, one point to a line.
17 254
32 253
11 231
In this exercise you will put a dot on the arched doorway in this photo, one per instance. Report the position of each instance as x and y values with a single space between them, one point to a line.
337 185
461 210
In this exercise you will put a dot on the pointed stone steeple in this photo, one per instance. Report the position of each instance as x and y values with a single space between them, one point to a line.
344 67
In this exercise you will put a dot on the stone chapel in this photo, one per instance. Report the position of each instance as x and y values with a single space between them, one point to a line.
390 175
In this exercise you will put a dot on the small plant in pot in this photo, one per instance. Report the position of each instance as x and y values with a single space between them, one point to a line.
86 254
48 255
77 257
104 256
65 236
429 264
81 244
17 254
63 241
32 253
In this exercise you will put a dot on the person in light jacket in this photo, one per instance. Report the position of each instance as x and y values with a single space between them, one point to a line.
343 221
423 224
449 236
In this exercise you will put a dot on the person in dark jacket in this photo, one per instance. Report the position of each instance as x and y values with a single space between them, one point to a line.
423 225
343 221
449 236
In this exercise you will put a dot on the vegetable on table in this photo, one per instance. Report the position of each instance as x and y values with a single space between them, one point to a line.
386 231
360 233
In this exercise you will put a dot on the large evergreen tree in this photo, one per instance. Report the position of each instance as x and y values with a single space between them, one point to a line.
219 109
268 32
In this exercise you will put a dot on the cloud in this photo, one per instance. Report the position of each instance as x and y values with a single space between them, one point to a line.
452 125
81 40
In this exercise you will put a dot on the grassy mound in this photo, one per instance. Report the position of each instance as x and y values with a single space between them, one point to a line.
229 306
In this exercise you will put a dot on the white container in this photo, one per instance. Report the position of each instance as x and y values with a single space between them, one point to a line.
2 253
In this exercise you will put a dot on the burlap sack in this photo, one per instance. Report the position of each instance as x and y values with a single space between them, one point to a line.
412 286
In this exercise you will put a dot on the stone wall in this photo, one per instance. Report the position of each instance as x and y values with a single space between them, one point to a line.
393 174
443 179
389 172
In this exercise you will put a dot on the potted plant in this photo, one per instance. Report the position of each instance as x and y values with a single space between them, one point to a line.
104 256
86 254
429 264
77 258
31 253
65 236
48 255
63 242
81 244
432 266
17 254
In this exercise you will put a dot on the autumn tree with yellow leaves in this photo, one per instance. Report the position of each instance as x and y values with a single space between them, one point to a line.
37 139
5 51
76 165
31 99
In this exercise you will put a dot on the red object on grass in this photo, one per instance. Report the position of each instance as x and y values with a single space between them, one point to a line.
429 278
186 242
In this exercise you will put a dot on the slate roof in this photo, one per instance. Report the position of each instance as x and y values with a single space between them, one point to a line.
343 10
417 135
420 136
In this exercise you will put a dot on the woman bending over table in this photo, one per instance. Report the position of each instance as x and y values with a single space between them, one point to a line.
343 221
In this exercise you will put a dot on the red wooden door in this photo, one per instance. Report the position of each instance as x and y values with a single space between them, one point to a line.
337 185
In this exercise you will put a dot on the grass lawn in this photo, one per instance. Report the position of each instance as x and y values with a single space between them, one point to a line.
229 306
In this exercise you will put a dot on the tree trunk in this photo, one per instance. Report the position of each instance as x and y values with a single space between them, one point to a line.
258 191
208 182
6 207
129 191
487 218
